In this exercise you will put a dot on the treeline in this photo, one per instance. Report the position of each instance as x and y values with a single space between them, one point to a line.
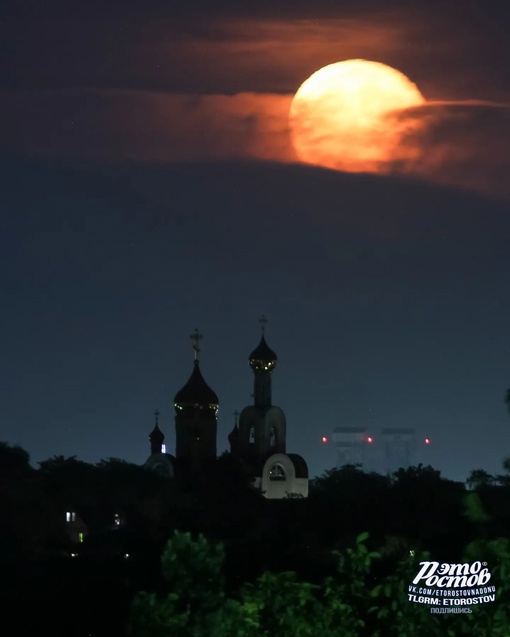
415 509
354 602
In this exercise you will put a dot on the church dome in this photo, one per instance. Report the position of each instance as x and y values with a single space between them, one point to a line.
196 392
263 358
233 436
156 436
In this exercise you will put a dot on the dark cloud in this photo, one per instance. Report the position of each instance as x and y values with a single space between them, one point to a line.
454 54
463 144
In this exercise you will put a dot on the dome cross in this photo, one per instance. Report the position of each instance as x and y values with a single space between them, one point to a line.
196 337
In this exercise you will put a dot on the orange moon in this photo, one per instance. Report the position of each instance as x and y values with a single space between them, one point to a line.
345 117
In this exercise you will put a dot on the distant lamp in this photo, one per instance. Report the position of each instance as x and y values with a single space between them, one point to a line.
324 439
427 441
370 439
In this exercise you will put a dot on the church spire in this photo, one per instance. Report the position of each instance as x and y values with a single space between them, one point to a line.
262 361
233 436
156 437
196 409
196 392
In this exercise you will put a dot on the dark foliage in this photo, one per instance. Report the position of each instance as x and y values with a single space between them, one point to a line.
415 509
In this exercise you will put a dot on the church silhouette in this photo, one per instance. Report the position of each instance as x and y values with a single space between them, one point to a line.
257 441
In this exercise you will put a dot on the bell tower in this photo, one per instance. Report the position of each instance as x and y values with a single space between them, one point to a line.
262 426
196 419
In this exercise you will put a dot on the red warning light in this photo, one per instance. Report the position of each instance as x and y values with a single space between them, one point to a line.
370 439
324 439
427 441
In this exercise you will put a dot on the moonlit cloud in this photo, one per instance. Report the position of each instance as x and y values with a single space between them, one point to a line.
464 144
212 88
460 143
122 126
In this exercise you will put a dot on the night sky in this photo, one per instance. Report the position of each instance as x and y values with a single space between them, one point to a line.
149 186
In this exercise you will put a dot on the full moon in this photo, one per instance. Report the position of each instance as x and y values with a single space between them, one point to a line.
346 117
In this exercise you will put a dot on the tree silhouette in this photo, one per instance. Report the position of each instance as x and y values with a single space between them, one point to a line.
14 462
22 501
479 478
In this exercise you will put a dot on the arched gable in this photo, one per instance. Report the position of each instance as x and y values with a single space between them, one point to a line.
162 463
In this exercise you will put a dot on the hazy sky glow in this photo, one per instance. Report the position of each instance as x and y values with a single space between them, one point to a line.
150 187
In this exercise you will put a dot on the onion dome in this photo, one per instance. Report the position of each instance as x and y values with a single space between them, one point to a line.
156 436
263 359
233 436
196 393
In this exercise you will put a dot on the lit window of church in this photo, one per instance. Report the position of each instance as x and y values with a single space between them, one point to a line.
277 472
